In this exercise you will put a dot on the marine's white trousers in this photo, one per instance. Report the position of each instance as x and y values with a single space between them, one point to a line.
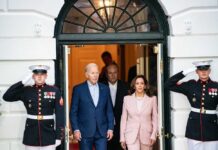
199 145
50 147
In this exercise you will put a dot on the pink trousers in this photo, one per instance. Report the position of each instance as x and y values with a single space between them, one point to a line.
137 145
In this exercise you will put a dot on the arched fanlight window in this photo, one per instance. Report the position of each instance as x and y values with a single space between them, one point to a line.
109 16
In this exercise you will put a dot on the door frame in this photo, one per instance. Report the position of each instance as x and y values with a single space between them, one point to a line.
60 80
116 38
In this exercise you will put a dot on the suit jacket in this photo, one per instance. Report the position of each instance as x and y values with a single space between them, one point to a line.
143 123
87 117
122 90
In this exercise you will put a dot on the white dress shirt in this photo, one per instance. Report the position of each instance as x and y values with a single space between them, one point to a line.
113 92
94 91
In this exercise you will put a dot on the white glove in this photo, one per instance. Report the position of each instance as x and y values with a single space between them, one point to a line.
27 79
57 143
190 70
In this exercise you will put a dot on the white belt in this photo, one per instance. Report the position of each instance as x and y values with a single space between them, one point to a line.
203 111
40 117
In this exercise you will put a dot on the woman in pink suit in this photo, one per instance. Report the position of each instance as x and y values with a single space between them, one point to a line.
139 118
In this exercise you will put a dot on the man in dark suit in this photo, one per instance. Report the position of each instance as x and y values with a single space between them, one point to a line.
91 112
118 90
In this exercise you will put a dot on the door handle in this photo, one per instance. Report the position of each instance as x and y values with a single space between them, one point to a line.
168 135
164 134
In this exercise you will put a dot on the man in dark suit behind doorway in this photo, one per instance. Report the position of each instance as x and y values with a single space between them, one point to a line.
118 90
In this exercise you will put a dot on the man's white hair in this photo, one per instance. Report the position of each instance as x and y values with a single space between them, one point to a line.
89 66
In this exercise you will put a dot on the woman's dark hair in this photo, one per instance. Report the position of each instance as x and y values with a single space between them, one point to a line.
148 91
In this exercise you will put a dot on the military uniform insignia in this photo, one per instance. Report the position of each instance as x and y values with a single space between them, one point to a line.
194 98
49 95
212 92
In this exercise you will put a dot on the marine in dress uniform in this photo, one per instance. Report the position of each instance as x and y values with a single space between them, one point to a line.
202 126
41 102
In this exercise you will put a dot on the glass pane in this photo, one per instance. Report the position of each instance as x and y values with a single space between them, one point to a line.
88 11
101 3
143 28
141 16
128 30
76 16
123 3
110 16
134 6
88 30
82 4
70 28
102 13
110 30
128 24
110 12
93 25
117 15
98 19
97 3
122 20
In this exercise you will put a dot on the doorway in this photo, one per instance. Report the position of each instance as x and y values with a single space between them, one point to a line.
115 22
132 59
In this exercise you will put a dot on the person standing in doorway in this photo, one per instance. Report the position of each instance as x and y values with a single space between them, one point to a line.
132 73
202 127
118 89
139 120
107 59
91 113
41 102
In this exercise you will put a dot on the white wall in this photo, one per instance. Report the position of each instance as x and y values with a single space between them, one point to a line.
26 38
193 36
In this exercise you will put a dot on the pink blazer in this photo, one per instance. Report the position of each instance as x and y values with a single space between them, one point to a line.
143 123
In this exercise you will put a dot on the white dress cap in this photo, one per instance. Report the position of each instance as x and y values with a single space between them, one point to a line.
202 63
39 68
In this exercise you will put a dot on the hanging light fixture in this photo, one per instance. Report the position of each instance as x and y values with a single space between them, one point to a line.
105 3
